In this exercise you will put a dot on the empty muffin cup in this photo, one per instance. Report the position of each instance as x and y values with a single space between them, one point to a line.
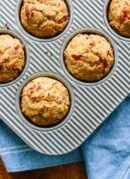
14 58
89 57
44 20
45 101
117 18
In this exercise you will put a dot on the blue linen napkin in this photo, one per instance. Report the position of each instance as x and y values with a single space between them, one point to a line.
17 156
106 152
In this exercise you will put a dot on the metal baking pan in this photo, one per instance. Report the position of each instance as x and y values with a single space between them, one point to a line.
93 103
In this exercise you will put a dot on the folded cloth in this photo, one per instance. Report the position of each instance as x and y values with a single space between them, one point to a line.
17 156
106 152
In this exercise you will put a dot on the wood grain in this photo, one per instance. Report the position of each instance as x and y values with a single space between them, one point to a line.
72 171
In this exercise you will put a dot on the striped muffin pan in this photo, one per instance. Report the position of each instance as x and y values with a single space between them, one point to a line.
91 103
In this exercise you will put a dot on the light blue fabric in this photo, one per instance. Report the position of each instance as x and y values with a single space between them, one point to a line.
106 153
19 157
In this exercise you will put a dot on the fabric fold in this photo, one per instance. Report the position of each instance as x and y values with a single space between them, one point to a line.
106 152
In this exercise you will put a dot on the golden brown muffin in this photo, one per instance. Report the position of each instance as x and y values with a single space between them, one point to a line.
119 16
89 57
44 18
45 101
12 58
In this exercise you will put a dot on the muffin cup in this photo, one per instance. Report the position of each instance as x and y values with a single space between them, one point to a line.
27 55
89 31
18 9
106 6
38 127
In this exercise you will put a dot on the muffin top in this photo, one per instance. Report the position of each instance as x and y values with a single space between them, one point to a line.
45 101
44 18
12 58
89 57
119 16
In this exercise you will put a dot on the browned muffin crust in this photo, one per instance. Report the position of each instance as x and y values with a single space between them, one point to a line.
12 58
119 16
44 18
45 101
89 57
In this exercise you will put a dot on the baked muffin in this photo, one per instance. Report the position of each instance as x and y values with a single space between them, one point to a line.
45 101
44 18
12 58
119 16
89 57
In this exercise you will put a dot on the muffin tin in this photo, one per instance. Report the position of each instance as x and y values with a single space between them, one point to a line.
69 4
107 3
26 51
49 128
89 31
92 102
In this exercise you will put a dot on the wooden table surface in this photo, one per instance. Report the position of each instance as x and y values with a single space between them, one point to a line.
73 171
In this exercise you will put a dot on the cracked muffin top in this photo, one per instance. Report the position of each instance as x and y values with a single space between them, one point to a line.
89 57
45 101
119 16
44 18
12 58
